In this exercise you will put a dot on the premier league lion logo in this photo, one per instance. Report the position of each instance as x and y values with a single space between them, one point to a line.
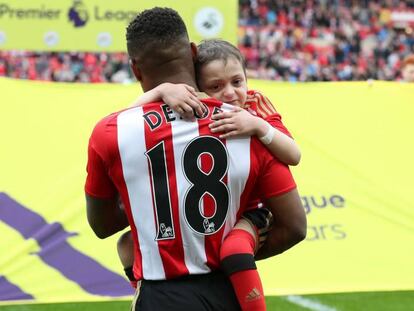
78 14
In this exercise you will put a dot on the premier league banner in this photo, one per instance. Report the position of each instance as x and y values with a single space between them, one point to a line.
355 180
99 25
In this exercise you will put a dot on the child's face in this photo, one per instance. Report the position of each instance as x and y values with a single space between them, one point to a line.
224 81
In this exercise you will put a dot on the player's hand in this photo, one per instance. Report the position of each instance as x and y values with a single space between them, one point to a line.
182 98
237 122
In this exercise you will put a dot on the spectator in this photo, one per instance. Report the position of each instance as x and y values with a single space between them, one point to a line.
407 69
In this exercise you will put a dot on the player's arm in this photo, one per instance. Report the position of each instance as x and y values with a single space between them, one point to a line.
289 226
277 190
182 98
105 216
104 211
240 122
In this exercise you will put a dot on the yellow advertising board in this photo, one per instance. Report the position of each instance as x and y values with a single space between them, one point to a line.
98 25
355 180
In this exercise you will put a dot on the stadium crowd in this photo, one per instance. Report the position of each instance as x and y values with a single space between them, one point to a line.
66 67
297 40
326 40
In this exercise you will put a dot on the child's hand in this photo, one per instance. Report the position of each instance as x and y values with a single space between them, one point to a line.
181 98
238 122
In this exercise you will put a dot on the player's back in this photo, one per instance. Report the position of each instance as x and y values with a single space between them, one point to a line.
183 188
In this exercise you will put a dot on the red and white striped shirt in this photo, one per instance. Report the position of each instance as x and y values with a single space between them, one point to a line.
183 188
261 106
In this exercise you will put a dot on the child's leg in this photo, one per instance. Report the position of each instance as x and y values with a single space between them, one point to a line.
125 247
237 259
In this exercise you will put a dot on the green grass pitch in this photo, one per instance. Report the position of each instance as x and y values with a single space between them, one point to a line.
369 301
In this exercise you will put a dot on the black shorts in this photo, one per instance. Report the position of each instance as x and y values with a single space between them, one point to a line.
202 292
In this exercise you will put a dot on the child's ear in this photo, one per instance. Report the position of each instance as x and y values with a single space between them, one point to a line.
135 69
194 51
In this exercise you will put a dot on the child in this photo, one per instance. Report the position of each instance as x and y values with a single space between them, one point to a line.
221 74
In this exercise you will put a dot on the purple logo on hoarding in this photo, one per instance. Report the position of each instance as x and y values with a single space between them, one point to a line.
10 291
56 252
78 15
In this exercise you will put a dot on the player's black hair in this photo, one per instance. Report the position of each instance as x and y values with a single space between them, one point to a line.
154 29
217 49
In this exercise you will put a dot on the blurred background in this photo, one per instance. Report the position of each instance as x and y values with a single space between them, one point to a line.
298 40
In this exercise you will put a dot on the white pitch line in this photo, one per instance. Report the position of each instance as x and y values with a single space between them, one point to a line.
308 303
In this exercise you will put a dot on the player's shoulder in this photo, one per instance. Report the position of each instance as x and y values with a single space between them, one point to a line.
216 106
108 122
211 102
